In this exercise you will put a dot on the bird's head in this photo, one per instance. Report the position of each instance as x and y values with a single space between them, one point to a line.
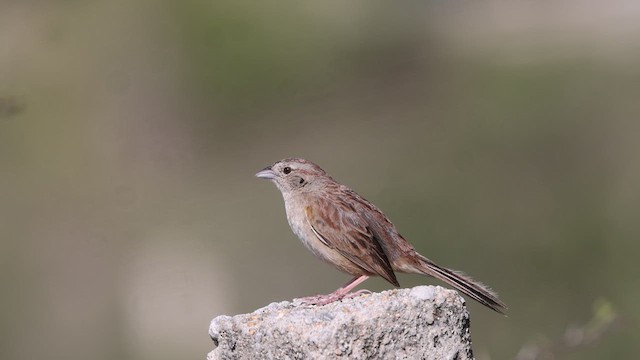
293 174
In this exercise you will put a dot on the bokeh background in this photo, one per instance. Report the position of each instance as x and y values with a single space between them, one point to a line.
503 139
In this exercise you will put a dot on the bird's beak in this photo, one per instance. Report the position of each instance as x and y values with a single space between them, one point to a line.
266 173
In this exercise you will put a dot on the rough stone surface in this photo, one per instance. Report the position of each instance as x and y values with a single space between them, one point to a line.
425 322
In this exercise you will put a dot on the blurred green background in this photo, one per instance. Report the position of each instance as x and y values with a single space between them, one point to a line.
503 139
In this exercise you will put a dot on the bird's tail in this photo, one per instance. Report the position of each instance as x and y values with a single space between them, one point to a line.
474 289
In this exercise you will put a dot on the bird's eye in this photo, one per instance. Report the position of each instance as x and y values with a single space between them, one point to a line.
286 170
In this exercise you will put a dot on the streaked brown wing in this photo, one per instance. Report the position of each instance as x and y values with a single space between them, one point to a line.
341 228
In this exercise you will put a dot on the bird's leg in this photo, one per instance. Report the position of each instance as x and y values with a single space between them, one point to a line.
346 288
341 293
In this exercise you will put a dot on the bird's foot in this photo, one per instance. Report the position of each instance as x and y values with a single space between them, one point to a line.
329 298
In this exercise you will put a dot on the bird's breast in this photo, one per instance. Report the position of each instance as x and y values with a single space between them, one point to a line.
300 226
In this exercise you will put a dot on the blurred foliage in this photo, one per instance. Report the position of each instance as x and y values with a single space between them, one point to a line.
501 139
604 321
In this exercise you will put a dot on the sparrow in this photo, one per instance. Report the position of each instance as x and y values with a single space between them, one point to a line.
345 230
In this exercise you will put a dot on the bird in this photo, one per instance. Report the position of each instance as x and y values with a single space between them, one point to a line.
347 231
